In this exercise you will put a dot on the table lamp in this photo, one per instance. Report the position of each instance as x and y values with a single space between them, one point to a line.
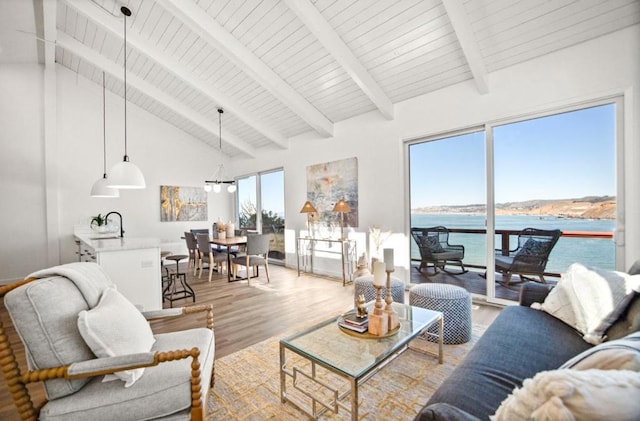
309 210
342 207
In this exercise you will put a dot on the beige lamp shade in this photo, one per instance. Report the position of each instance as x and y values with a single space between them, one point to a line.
308 208
341 206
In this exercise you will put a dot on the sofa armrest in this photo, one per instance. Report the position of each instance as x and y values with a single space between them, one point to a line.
533 292
443 412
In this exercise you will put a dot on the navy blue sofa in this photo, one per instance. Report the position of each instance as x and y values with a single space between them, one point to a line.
519 343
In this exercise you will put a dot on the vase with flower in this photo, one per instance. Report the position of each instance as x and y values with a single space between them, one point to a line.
377 237
221 227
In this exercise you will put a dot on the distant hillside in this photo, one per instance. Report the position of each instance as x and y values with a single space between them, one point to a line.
589 207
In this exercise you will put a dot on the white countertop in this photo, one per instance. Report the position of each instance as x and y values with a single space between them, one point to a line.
113 242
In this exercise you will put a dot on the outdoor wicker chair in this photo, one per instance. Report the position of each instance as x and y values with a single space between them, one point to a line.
435 250
530 257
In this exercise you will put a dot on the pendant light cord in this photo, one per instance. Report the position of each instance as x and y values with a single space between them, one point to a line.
104 131
126 158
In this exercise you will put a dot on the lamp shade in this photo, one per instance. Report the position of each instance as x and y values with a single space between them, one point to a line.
207 187
125 175
232 188
341 206
308 208
100 189
217 187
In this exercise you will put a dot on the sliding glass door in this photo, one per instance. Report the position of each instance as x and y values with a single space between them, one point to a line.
551 172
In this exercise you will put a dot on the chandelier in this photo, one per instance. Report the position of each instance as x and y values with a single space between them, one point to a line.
219 178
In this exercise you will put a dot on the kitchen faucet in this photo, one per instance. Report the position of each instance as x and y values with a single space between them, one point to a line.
106 220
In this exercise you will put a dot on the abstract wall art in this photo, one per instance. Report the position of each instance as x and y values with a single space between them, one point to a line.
329 182
182 204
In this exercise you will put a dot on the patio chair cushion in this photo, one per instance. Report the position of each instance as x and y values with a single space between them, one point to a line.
116 327
590 300
49 330
162 391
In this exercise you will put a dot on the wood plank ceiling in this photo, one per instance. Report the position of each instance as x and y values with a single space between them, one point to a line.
280 68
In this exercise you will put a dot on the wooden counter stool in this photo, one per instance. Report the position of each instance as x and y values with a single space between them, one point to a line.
171 291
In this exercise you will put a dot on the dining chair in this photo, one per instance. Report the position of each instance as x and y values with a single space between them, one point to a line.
192 246
256 253
207 255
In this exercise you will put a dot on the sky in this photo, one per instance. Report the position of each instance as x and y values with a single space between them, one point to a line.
272 185
568 155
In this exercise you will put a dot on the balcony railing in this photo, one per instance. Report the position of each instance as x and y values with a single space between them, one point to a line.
506 234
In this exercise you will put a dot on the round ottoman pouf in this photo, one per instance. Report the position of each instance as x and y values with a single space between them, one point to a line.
364 285
455 305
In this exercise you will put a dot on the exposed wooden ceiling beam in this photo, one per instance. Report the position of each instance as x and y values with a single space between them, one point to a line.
114 69
462 27
97 15
328 37
217 36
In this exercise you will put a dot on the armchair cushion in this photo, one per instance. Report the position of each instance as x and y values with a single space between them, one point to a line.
116 327
163 390
432 243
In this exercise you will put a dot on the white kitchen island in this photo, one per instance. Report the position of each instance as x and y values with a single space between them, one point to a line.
133 264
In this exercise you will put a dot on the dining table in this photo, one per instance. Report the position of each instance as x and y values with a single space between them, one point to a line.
229 242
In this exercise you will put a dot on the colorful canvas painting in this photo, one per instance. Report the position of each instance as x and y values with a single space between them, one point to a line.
329 182
182 204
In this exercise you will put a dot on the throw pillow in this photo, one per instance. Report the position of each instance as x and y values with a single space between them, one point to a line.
621 354
590 300
115 327
628 322
534 248
432 243
574 395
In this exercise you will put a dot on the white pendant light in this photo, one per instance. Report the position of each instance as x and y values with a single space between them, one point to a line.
126 175
99 188
216 184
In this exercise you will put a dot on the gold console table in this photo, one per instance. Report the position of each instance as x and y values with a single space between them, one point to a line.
307 248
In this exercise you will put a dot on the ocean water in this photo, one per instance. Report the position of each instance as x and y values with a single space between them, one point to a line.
593 252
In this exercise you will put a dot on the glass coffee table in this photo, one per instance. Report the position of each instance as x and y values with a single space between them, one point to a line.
352 357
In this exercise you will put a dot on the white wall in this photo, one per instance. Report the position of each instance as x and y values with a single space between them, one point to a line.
22 212
592 70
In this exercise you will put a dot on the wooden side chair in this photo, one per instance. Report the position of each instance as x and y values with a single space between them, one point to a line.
212 259
77 331
192 247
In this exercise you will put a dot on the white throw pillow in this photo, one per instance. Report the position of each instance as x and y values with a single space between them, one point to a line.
574 395
590 300
115 327
621 354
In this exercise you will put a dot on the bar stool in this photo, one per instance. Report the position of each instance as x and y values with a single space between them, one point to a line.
170 292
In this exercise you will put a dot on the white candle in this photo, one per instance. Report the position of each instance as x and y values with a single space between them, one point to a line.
378 274
388 259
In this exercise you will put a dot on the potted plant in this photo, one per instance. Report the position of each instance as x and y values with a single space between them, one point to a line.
98 223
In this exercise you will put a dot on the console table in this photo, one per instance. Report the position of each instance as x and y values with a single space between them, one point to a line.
307 248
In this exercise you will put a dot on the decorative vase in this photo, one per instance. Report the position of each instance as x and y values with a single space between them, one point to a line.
222 235
231 230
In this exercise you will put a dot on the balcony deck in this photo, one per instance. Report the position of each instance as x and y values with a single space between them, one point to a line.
473 282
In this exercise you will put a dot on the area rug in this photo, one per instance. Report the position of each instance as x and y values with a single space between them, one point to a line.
247 383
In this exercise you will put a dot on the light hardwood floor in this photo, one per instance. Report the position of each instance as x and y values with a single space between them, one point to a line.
245 315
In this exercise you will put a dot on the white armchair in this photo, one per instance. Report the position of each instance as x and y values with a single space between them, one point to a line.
78 332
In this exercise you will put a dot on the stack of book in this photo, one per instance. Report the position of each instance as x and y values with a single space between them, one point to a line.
352 322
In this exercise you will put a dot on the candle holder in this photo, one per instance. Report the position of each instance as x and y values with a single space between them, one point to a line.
378 321
392 316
